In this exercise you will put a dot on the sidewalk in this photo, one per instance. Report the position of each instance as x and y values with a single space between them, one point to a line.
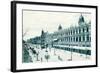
56 55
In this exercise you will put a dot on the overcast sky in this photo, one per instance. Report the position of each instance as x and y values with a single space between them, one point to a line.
35 21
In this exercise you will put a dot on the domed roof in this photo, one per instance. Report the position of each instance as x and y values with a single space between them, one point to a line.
42 32
60 27
81 19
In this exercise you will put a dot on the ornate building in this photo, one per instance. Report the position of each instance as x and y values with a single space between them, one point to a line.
76 39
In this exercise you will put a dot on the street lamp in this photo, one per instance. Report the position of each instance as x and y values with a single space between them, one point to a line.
86 53
37 55
54 52
54 48
71 53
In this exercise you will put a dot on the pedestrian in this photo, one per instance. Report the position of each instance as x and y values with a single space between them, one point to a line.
59 58
41 59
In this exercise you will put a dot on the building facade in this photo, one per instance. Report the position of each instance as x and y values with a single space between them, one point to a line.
75 39
78 37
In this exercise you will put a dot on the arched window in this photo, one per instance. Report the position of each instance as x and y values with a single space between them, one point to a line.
76 31
79 30
79 38
68 39
71 39
87 37
90 39
69 32
73 31
83 38
83 29
87 29
76 39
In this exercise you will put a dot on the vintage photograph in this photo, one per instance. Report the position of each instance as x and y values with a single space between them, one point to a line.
53 36
48 36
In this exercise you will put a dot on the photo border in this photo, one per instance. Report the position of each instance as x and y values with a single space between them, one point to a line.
14 34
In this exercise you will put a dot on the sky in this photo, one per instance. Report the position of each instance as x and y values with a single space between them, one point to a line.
36 21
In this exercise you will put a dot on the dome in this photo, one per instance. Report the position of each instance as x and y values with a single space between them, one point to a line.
60 27
81 19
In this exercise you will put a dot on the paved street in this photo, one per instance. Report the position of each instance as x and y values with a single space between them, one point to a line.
53 55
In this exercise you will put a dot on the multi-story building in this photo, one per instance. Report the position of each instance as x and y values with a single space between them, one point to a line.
76 39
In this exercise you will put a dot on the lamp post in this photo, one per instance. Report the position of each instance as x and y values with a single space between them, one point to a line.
85 46
71 53
86 53
54 51
52 47
37 57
